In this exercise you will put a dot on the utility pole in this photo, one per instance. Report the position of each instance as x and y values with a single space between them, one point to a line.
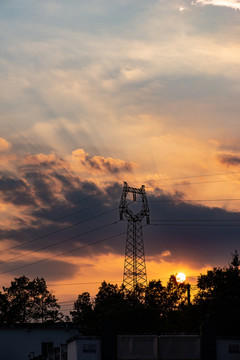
134 265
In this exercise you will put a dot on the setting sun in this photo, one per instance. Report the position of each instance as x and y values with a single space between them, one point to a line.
180 278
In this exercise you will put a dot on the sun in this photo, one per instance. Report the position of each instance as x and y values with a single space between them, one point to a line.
180 278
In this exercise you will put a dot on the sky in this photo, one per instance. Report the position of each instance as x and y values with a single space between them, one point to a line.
95 93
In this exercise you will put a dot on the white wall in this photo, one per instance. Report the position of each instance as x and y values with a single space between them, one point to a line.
152 347
140 347
228 349
16 344
179 347
84 348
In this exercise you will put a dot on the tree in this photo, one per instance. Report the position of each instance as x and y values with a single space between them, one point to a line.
219 297
27 301
83 309
154 294
18 301
44 307
4 307
165 304
174 294
125 309
108 295
110 304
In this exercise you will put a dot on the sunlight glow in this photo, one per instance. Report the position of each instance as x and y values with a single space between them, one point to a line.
180 278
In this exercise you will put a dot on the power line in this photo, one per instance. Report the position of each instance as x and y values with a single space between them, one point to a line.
194 220
64 253
195 176
84 283
191 200
199 182
111 282
60 218
57 243
57 231
192 225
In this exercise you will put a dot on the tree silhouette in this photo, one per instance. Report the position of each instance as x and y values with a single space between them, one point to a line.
139 310
82 313
26 301
219 297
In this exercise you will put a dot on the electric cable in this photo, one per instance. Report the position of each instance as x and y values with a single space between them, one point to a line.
64 253
57 231
196 176
192 225
191 200
57 243
99 282
60 218
193 220
199 182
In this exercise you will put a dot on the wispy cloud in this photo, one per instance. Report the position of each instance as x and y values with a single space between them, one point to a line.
4 144
101 164
229 159
234 4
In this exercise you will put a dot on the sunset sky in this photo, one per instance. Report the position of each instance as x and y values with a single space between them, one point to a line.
95 93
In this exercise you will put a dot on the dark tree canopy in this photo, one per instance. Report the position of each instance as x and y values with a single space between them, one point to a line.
159 308
140 310
219 297
26 301
82 309
155 308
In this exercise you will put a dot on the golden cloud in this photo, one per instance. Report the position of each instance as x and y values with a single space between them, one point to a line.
4 144
234 4
100 163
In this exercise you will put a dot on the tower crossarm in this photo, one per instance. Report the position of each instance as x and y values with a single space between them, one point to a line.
124 209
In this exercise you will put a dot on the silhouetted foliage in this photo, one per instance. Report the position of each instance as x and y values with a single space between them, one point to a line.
82 313
140 310
27 301
219 297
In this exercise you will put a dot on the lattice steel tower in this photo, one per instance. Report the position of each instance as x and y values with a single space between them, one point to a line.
134 265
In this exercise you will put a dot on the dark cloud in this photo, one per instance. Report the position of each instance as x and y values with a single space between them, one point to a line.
193 233
229 159
81 218
15 191
52 270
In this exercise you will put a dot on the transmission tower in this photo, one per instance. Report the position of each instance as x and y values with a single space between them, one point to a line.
134 265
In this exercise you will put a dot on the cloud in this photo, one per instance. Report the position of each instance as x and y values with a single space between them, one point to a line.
133 90
52 269
234 4
101 164
229 159
4 144
15 191
64 211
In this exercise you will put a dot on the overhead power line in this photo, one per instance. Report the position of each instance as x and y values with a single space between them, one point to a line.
57 231
63 253
194 220
199 225
57 243
108 282
195 176
61 217
190 200
84 283
199 182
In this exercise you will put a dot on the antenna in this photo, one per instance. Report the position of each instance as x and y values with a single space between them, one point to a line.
134 265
